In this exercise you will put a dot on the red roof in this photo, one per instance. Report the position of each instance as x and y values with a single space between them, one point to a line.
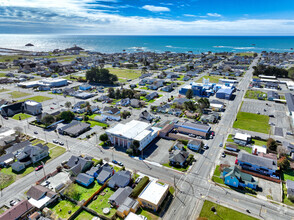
17 211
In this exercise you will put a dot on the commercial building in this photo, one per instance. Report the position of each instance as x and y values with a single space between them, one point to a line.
74 129
153 195
242 139
224 93
32 107
124 134
44 82
193 128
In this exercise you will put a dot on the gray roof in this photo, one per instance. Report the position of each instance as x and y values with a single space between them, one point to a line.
120 195
84 178
17 146
75 127
290 101
105 172
76 164
122 177
179 156
256 160
6 157
92 171
37 192
290 187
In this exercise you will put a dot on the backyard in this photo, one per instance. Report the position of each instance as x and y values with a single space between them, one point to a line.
252 122
102 202
252 94
221 212
79 193
84 215
37 98
21 116
148 215
16 94
62 209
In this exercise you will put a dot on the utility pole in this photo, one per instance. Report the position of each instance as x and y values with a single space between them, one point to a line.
67 145
43 168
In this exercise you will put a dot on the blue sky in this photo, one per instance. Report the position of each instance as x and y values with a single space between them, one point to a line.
148 17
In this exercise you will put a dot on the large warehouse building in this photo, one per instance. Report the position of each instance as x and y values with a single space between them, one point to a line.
124 134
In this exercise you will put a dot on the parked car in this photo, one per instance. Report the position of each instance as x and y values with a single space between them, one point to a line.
55 141
289 133
54 103
221 145
205 147
39 167
35 132
223 154
114 161
46 183
272 116
13 202
192 135
120 163
52 108
61 143
138 180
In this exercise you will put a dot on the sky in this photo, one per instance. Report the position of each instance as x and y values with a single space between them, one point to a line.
148 17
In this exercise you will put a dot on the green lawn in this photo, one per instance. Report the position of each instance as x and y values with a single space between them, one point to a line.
37 98
125 73
212 79
216 175
176 168
252 122
258 142
4 90
230 138
21 116
285 198
84 192
148 215
84 215
288 175
61 209
93 123
247 149
246 54
222 212
252 94
102 202
16 94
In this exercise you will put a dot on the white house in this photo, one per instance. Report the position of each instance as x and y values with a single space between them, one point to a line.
124 134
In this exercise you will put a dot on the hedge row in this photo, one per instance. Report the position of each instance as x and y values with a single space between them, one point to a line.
141 185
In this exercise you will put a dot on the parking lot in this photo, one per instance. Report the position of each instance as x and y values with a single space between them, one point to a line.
280 123
158 151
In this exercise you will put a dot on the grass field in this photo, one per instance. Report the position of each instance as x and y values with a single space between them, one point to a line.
93 123
37 98
285 198
288 175
21 116
252 122
246 54
216 175
61 209
4 90
221 212
125 73
212 79
84 215
16 94
85 192
252 94
102 202
176 168
148 215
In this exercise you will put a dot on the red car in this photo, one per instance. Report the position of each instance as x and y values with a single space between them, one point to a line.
39 167
51 108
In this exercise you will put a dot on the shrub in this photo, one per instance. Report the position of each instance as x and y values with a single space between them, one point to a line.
141 185
283 163
103 137
98 162
184 142
129 151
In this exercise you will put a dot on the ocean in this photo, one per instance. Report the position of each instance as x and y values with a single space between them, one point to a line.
112 44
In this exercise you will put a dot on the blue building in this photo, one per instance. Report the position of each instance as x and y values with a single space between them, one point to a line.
194 145
262 165
84 179
224 93
232 176
85 86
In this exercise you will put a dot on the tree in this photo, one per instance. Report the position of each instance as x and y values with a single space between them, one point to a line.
125 114
291 73
270 71
111 93
100 75
189 94
67 116
48 120
271 144
86 118
117 94
281 151
103 137
283 163
135 146
67 104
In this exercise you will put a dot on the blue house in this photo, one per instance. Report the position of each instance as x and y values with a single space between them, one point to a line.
105 173
85 86
194 145
232 176
93 172
262 165
84 179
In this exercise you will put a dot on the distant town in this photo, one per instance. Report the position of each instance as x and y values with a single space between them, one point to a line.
145 135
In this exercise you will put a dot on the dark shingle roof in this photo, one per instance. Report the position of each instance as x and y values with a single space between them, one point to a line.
179 156
6 157
122 177
120 195
16 211
38 191
84 178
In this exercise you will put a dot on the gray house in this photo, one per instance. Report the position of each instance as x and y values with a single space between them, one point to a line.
120 179
119 196
78 164
178 157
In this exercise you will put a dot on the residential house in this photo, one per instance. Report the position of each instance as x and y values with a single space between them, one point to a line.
231 147
93 171
135 103
78 164
153 195
18 211
120 179
128 206
195 145
40 196
180 101
167 88
8 137
84 179
262 165
234 177
28 155
178 157
119 196
242 139
17 147
151 96
146 116
105 173
290 189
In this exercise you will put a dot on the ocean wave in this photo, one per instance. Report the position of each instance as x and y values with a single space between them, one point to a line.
169 46
137 48
235 47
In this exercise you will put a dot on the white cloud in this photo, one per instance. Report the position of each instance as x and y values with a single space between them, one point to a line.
155 8
189 15
213 15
